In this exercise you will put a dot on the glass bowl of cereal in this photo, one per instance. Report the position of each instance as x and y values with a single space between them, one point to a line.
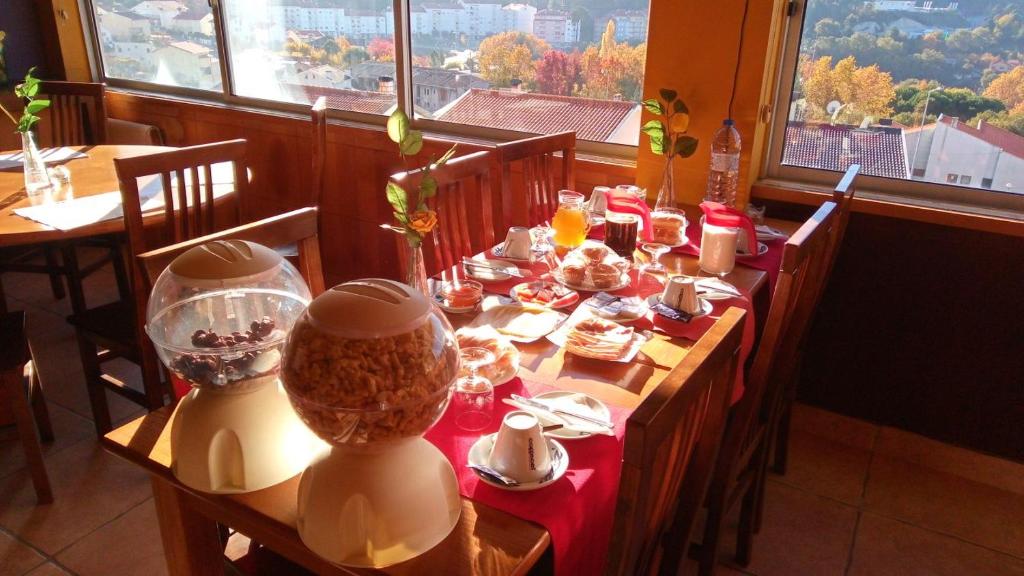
369 367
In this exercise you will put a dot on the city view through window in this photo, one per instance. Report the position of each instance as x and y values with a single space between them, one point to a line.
537 66
929 90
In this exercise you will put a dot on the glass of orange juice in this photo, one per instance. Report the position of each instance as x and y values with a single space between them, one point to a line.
571 222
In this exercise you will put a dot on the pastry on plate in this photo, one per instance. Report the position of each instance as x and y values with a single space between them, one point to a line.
604 275
506 355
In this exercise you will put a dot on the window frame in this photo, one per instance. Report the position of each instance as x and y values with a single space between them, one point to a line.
403 88
908 191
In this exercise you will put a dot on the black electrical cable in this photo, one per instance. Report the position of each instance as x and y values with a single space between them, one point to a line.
739 55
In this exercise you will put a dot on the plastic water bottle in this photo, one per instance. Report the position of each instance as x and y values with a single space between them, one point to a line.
724 175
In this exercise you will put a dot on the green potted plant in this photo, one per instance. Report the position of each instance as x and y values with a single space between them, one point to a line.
36 178
668 137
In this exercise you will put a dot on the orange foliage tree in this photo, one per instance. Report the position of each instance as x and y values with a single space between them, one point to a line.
1008 88
509 56
381 50
559 73
613 68
861 91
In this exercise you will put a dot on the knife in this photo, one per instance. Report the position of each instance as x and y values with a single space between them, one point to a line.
507 271
558 411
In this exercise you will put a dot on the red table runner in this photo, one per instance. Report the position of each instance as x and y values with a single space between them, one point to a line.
578 510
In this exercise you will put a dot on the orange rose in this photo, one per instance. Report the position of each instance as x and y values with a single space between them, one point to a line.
423 221
680 122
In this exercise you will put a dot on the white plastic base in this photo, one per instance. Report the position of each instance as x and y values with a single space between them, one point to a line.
377 507
228 443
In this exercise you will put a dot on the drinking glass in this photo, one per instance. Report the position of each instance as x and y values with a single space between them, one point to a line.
654 251
756 214
473 399
571 222
542 251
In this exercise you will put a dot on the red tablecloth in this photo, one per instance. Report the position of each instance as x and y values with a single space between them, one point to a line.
577 510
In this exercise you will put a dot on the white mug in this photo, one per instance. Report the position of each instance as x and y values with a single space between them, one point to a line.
520 449
517 243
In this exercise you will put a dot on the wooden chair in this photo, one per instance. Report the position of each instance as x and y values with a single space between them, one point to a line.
19 389
531 200
117 330
671 443
463 192
298 227
843 197
77 114
740 470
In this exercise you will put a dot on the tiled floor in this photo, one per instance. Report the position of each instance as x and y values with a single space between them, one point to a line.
858 499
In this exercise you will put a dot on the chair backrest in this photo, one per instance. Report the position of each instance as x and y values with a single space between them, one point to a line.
318 117
188 183
804 265
536 198
296 227
671 443
843 197
77 114
463 193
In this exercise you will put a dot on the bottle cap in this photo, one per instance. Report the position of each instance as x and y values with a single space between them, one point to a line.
727 122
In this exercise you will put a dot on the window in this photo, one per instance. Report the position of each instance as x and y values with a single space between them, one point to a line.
478 66
923 91
170 43
986 182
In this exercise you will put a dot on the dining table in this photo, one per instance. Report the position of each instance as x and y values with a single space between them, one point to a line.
88 206
487 540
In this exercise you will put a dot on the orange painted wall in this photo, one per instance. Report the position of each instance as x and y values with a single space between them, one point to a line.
692 48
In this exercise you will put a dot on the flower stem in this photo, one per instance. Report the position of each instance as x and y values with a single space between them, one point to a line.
8 114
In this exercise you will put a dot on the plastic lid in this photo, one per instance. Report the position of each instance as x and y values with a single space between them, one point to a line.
225 260
369 308
727 122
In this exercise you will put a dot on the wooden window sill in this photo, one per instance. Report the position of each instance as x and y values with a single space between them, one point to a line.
880 204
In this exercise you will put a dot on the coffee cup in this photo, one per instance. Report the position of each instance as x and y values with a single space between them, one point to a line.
598 200
520 449
517 243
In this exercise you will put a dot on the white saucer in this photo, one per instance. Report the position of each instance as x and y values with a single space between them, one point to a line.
488 275
481 451
706 307
762 249
579 428
463 310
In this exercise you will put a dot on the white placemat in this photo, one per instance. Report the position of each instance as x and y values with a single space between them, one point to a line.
50 156
78 212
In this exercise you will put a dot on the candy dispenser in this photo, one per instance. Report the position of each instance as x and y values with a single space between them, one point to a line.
369 367
218 317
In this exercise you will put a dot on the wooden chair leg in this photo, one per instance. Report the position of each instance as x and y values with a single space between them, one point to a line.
781 435
56 280
14 394
117 259
708 557
752 504
151 382
74 276
38 402
94 385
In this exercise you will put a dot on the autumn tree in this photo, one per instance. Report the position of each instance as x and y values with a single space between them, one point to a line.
509 56
861 91
613 68
559 73
1008 88
381 50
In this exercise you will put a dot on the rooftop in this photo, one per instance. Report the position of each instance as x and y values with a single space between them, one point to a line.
354 100
190 47
591 119
879 149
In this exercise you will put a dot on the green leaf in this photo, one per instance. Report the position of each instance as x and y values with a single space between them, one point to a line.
36 106
398 126
658 143
412 143
446 156
397 197
428 187
654 107
401 217
680 107
685 146
653 128
667 94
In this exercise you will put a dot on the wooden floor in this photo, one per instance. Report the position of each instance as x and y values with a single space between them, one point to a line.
858 499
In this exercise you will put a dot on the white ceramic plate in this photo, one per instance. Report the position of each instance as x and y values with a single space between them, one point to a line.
503 315
488 275
570 302
481 451
714 295
622 316
706 306
762 249
440 301
559 337
584 404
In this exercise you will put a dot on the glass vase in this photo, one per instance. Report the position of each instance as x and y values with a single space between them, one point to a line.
415 269
37 181
667 192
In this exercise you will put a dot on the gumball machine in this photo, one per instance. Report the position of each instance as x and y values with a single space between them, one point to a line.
369 367
218 318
